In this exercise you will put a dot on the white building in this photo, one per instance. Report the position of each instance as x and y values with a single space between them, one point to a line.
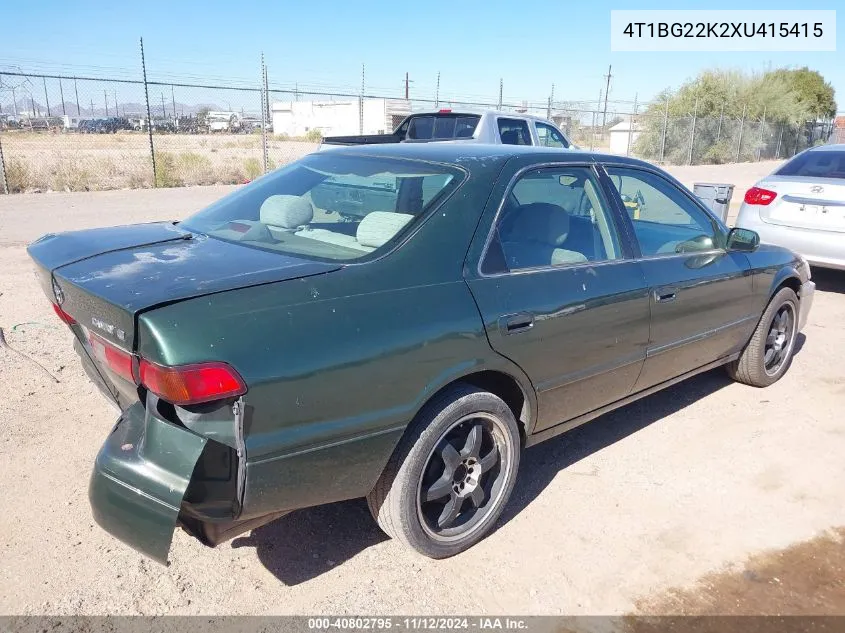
621 133
338 118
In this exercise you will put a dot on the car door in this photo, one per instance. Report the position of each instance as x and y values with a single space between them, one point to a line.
559 291
549 135
701 295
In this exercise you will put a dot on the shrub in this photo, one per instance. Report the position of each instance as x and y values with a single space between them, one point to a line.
314 135
167 172
253 168
19 176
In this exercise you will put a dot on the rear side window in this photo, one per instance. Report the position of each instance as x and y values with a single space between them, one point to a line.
816 164
514 132
329 206
442 126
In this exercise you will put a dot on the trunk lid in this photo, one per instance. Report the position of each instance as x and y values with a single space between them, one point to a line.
103 278
803 202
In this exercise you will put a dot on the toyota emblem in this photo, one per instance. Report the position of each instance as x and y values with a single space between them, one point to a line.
817 189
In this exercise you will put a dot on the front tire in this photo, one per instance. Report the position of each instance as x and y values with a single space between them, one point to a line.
451 475
768 355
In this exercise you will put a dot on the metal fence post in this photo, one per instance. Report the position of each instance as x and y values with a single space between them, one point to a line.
741 125
780 138
593 132
692 132
3 169
721 116
631 127
762 127
149 117
263 114
665 125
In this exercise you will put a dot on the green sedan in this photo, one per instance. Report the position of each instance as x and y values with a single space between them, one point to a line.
397 323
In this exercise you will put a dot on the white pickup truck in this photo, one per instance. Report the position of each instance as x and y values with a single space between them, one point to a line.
490 126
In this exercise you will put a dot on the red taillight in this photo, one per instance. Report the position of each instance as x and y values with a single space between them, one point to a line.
444 111
757 195
191 384
116 359
64 316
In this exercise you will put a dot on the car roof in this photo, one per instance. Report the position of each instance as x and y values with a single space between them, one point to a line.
460 153
833 147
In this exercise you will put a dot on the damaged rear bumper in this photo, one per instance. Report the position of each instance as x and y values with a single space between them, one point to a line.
139 480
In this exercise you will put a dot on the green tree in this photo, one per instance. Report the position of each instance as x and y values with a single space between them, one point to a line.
735 115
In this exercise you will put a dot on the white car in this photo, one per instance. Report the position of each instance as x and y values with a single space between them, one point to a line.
802 206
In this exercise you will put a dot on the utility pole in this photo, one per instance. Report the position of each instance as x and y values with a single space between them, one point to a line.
437 93
606 92
551 101
106 101
75 90
406 86
62 96
46 96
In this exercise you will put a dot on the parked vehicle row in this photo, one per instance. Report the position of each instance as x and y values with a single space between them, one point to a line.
398 322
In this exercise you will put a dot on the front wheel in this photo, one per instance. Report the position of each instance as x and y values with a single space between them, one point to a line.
451 475
768 355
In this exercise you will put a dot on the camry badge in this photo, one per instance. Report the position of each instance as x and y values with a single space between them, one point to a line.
817 189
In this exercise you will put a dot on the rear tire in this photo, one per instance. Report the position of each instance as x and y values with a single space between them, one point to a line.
451 474
768 355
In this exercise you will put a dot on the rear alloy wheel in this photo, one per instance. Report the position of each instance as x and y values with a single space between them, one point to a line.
768 355
451 474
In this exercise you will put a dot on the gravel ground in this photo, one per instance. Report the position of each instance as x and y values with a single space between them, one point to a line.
685 483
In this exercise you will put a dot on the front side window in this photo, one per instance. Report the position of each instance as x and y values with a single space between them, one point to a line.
329 206
554 217
514 132
548 136
665 220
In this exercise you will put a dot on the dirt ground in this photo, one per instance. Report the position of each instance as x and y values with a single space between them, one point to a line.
96 162
649 509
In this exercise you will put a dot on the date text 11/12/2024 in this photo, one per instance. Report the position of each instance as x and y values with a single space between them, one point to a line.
418 623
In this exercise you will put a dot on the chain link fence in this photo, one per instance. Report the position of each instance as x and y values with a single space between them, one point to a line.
67 133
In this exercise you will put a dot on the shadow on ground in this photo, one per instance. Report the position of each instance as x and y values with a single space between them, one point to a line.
828 280
310 542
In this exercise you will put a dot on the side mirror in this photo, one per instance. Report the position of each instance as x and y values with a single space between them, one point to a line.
743 240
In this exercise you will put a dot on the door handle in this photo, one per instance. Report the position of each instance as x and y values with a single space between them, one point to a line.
516 323
665 295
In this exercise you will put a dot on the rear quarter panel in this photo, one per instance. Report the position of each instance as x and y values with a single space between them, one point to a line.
338 364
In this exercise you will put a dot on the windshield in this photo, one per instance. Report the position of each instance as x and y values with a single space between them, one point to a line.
328 206
816 164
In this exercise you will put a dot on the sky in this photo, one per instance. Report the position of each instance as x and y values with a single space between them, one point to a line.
529 44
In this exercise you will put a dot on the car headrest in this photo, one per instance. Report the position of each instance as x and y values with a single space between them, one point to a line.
510 137
378 227
540 222
287 212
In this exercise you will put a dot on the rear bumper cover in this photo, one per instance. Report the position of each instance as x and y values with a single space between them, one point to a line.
825 249
808 290
140 477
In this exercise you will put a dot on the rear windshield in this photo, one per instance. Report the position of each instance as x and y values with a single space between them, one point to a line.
327 206
816 164
442 126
